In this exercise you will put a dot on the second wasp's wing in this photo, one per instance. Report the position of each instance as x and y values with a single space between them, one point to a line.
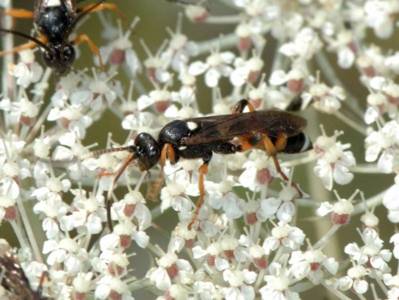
226 127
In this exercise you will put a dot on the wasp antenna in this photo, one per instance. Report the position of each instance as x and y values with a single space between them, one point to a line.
26 36
86 12
97 153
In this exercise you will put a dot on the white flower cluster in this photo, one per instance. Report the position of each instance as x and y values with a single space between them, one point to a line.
248 241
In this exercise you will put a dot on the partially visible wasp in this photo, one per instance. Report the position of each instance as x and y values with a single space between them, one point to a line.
15 282
272 130
54 22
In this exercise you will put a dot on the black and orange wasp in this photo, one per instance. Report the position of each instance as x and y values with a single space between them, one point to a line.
198 138
54 21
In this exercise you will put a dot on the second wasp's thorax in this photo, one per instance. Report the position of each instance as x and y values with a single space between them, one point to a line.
55 21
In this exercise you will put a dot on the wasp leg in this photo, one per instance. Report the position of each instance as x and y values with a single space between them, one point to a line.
100 7
245 144
272 149
43 277
84 38
19 13
203 170
167 153
118 174
26 46
241 105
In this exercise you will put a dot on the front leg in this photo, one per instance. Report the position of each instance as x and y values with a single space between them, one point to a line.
84 38
167 153
203 170
33 43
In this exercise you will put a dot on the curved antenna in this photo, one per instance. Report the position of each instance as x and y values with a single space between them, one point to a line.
26 36
85 12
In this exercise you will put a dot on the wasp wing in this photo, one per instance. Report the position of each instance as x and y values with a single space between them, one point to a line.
226 127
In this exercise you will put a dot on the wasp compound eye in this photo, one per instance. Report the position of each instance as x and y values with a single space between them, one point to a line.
68 54
49 57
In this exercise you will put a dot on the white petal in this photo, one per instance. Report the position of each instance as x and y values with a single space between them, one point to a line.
278 77
371 115
212 77
360 286
144 101
62 153
324 209
346 57
391 197
342 175
141 238
197 68
385 163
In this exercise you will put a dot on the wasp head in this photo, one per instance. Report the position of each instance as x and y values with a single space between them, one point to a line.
59 57
147 151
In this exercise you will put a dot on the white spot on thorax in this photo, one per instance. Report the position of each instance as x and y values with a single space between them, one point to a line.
192 125
52 3
181 148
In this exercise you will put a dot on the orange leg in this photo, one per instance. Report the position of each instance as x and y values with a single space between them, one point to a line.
167 153
100 7
43 277
19 13
203 170
118 174
245 144
281 142
272 150
241 105
26 46
84 38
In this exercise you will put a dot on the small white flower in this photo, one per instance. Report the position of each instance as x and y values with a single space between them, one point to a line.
355 279
112 287
246 71
27 71
278 284
285 236
393 283
120 50
305 44
312 264
334 161
82 283
258 172
239 281
170 268
216 66
382 145
371 253
196 13
324 98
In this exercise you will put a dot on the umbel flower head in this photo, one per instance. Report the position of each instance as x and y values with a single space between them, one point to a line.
93 207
